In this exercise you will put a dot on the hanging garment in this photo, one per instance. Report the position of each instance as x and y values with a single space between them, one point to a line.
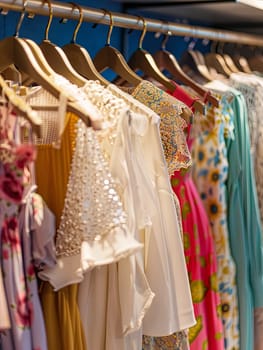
127 295
16 193
201 263
210 173
251 87
155 98
167 222
77 253
177 155
243 219
135 125
60 309
92 232
248 250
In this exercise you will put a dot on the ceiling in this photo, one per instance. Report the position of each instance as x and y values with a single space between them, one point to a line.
227 14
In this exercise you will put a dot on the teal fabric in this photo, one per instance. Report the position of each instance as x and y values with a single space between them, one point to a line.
244 223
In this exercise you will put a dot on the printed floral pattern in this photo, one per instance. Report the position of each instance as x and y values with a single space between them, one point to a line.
201 265
177 341
27 325
210 174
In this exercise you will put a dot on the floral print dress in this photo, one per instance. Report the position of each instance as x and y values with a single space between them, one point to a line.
201 264
16 206
210 173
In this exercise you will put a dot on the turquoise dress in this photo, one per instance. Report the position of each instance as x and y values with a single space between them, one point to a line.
244 222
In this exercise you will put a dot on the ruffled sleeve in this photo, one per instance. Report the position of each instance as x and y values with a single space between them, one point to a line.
93 229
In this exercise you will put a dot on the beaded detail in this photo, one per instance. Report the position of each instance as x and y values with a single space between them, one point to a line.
92 206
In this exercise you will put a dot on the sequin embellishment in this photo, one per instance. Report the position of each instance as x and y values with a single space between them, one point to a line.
92 206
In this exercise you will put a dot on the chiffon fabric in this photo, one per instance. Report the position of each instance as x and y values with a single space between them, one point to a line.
245 233
145 191
177 156
244 220
251 87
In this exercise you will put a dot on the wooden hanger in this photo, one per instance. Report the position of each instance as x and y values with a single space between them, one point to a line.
110 57
191 60
166 60
198 105
16 51
216 61
79 56
242 63
194 60
56 57
240 60
228 59
21 107
11 73
230 63
256 61
144 61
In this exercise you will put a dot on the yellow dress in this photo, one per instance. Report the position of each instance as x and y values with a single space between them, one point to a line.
61 312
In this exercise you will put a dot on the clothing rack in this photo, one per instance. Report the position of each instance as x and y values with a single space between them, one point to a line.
68 11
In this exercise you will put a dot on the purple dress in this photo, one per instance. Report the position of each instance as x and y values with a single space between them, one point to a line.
22 213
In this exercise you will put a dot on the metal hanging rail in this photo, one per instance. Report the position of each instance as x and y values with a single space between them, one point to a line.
66 10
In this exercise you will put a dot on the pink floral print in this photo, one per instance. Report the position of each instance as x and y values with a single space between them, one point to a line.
10 188
24 311
16 213
24 155
10 235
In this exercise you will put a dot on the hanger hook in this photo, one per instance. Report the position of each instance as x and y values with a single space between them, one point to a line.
76 30
166 37
107 12
213 47
220 48
21 18
49 19
143 32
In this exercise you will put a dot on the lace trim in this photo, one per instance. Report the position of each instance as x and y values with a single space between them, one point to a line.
250 94
110 107
135 104
172 126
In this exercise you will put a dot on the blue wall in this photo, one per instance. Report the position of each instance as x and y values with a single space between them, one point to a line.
91 38
60 33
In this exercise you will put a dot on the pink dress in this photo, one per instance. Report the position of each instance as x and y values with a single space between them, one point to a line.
200 259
